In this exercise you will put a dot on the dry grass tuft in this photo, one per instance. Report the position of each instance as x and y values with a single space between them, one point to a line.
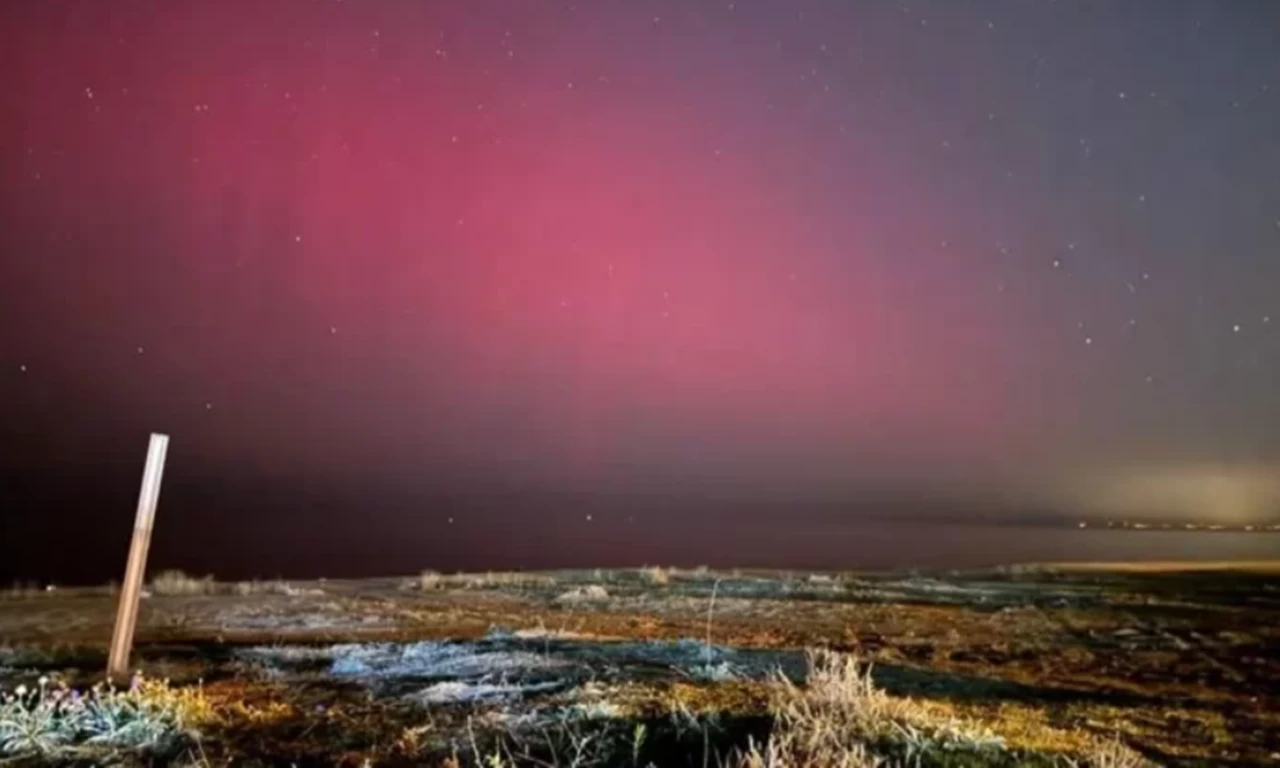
493 579
272 587
175 582
842 720
1113 754
656 575
22 590
430 580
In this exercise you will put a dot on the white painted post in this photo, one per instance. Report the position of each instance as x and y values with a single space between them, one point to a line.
127 613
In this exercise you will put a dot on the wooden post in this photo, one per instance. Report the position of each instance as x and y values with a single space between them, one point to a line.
127 614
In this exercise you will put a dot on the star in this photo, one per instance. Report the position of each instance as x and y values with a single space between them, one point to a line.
208 406
140 350
1235 328
22 368
1088 340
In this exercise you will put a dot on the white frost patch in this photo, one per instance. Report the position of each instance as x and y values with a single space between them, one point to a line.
287 654
459 692
589 593
430 659
683 652
269 618
594 710
715 673
547 634
942 587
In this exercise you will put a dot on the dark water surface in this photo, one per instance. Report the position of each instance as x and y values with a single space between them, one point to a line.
784 544
339 541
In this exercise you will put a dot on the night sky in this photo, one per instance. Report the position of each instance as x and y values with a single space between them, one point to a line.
451 284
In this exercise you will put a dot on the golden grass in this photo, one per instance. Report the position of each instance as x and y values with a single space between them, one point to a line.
841 719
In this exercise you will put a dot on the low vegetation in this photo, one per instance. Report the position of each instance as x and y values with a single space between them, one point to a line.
658 667
174 583
656 575
841 719
54 722
433 580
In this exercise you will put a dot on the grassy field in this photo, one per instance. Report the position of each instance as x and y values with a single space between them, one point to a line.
1076 665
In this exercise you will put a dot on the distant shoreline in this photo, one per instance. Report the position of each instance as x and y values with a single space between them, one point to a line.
1162 566
1148 527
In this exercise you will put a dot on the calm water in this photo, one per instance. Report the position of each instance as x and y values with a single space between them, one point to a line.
501 542
833 545
959 546
800 545
880 545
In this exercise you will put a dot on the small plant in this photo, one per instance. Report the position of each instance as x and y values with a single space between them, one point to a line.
177 583
53 720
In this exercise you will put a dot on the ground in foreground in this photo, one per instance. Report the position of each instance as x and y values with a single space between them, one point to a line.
1047 666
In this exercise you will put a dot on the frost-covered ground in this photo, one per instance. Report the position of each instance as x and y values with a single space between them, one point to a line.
512 667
